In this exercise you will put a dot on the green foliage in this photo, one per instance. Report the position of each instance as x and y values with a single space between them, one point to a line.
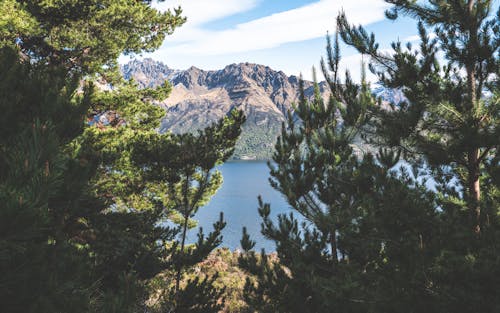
254 143
182 165
44 193
199 295
147 179
449 128
359 216
446 117
83 221
374 238
85 35
56 238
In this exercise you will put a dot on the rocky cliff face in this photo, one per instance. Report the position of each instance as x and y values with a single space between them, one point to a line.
202 97
393 96
147 72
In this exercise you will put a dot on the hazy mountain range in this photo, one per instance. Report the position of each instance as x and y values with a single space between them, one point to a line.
201 97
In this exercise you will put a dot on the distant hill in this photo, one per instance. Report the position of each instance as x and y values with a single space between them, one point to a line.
201 97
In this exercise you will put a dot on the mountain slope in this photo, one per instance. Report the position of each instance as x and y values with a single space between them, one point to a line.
201 97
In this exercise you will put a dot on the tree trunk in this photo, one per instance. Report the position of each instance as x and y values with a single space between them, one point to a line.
471 5
333 243
183 240
474 189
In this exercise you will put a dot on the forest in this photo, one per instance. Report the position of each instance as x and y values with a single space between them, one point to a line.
96 204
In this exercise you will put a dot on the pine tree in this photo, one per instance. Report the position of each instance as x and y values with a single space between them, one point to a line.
83 221
182 167
84 35
449 124
374 239
359 245
143 176
447 116
44 192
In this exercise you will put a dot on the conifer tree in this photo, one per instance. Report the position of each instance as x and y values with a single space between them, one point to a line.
84 35
44 192
401 246
182 167
361 218
87 213
144 173
450 124
61 247
451 112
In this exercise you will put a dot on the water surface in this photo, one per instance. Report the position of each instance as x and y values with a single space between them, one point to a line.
237 198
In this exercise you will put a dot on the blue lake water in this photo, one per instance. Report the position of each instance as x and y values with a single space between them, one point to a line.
237 198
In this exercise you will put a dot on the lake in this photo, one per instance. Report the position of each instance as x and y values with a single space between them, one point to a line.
237 198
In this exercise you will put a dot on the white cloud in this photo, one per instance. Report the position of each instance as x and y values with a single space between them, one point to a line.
353 63
202 11
303 23
412 38
262 40
199 12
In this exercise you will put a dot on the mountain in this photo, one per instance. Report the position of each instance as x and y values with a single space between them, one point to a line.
394 96
147 72
200 98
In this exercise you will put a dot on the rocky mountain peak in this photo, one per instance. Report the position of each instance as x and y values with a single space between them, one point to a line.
201 97
258 74
147 72
191 78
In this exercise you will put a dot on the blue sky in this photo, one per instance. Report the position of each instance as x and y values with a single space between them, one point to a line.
287 35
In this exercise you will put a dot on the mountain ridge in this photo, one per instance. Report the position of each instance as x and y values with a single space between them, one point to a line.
201 97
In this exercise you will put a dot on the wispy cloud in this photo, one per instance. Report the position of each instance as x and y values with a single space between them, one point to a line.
287 40
200 12
303 23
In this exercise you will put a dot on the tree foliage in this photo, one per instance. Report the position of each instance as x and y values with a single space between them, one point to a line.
44 192
372 236
451 112
85 35
450 123
87 183
359 214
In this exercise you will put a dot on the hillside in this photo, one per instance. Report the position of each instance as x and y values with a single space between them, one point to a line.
201 97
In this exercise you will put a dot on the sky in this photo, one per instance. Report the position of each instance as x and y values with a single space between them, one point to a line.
286 35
